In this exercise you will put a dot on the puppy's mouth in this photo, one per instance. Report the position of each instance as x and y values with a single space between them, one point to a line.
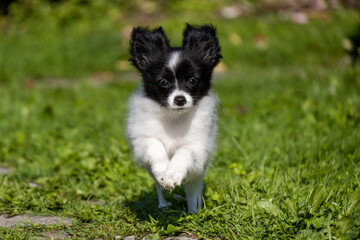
179 109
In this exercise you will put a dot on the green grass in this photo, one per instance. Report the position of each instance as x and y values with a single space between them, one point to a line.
287 159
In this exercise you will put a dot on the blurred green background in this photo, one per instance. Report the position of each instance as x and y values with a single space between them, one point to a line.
77 38
287 159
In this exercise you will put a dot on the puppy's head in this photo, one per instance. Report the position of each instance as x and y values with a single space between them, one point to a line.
176 78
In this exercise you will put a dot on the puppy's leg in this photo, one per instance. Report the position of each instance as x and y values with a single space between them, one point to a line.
152 153
193 190
177 168
185 162
162 202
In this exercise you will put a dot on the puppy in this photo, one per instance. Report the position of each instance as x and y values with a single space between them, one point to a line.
172 117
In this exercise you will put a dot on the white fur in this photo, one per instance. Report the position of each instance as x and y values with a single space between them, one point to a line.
174 145
173 61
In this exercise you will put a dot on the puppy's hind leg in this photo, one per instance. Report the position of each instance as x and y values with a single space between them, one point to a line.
163 204
193 190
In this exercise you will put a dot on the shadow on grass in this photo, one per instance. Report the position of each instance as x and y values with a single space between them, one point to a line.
146 207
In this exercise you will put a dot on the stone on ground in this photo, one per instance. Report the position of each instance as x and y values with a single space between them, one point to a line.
55 235
27 219
5 170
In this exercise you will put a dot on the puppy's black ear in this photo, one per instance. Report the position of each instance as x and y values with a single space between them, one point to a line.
201 42
148 47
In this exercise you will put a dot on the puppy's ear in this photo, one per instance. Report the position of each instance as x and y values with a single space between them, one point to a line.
201 42
148 47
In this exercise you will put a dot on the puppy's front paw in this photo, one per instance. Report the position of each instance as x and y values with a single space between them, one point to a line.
158 171
172 179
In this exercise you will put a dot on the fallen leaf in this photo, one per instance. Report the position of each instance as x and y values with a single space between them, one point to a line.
270 208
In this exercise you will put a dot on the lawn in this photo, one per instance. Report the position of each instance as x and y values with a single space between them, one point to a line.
287 158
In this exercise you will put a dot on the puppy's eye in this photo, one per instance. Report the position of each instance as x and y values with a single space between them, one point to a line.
192 81
164 83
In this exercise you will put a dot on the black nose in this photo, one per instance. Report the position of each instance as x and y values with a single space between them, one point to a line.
180 100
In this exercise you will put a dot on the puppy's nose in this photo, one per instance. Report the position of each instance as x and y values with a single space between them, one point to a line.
180 100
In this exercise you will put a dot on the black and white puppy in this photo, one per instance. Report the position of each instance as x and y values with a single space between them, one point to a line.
172 118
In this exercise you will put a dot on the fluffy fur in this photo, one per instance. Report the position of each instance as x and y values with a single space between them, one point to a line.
172 117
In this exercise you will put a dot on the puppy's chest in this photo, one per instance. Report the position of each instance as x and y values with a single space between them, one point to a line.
175 132
178 131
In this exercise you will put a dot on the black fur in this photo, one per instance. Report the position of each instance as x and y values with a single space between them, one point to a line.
150 54
202 44
148 48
